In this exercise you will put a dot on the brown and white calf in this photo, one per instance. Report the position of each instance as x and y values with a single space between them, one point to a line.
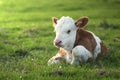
76 44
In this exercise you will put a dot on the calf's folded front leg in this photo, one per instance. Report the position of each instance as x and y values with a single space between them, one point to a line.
55 59
61 55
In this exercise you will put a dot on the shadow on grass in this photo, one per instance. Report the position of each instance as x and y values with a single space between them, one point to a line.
106 25
13 57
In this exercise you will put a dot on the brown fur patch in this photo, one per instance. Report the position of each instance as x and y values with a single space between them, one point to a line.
82 22
62 52
104 50
86 39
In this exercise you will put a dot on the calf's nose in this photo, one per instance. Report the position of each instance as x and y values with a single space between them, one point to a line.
57 42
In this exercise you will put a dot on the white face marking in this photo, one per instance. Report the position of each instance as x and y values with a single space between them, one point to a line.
65 33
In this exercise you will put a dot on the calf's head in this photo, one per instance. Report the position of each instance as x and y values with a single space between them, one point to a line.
65 29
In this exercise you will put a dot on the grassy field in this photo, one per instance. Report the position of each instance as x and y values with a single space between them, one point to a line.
26 39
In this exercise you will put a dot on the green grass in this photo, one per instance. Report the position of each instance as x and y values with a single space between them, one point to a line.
26 39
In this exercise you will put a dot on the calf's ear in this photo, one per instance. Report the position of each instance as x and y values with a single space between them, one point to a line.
54 21
82 22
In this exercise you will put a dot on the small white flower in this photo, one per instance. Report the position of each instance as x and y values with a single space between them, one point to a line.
20 76
60 67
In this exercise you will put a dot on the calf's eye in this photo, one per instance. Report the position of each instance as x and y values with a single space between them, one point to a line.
68 31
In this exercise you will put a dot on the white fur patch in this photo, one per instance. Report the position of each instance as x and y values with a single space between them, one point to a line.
80 53
69 57
97 49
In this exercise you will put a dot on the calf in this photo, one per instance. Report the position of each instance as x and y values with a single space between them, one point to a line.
76 44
